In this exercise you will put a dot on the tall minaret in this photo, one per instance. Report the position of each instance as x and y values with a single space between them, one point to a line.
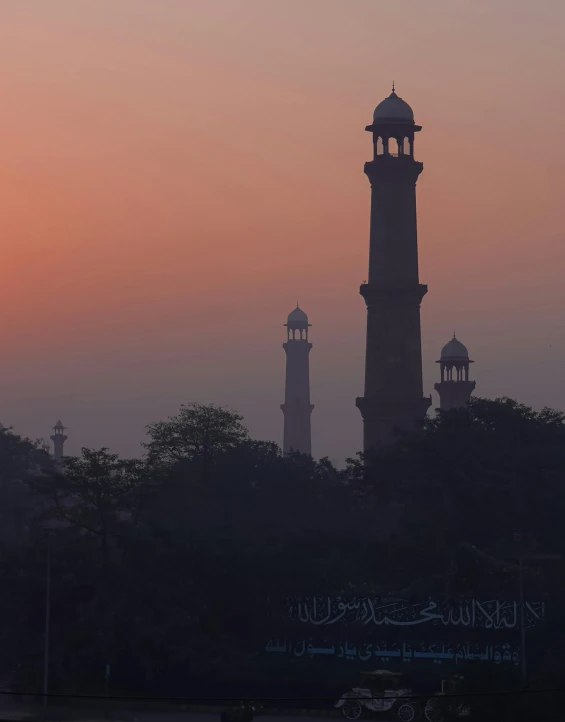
58 438
454 392
393 365
297 407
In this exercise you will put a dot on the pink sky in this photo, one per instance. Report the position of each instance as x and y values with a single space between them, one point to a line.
177 174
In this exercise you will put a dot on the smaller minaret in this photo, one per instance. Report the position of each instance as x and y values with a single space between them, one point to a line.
454 389
297 407
58 438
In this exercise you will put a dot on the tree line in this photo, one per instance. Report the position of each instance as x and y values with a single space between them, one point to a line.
163 566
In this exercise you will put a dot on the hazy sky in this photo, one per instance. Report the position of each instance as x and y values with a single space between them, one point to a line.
176 174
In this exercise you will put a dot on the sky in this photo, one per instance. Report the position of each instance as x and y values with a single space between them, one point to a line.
176 174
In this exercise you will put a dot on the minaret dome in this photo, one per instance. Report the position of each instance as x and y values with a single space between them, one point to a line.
297 316
297 324
454 350
393 109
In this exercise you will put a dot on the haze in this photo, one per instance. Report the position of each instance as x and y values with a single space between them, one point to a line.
177 174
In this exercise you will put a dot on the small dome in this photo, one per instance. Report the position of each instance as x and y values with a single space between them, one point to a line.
454 350
297 316
393 109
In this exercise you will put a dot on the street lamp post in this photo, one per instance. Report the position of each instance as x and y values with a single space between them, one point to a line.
47 625
522 620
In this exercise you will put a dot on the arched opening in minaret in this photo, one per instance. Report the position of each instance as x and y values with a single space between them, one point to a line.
380 148
407 149
393 146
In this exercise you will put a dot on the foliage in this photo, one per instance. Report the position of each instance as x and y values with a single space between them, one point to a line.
95 491
163 567
478 478
20 457
21 463
198 433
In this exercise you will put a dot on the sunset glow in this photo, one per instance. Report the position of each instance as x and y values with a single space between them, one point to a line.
177 174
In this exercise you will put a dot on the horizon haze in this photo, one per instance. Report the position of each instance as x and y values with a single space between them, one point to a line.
177 175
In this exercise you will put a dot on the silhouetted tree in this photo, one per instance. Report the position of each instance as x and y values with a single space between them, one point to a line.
95 492
199 433
474 478
21 462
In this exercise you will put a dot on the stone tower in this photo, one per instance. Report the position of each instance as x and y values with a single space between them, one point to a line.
393 397
58 438
454 389
297 407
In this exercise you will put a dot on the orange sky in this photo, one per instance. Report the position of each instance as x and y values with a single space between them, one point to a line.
176 174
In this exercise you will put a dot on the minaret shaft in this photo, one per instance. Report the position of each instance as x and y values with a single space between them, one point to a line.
393 242
297 381
297 407
454 394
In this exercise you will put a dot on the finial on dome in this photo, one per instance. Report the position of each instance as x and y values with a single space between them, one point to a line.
393 86
453 333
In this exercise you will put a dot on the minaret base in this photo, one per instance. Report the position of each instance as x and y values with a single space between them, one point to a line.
297 430
384 419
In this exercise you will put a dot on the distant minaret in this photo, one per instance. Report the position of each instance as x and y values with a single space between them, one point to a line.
454 389
297 407
58 438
